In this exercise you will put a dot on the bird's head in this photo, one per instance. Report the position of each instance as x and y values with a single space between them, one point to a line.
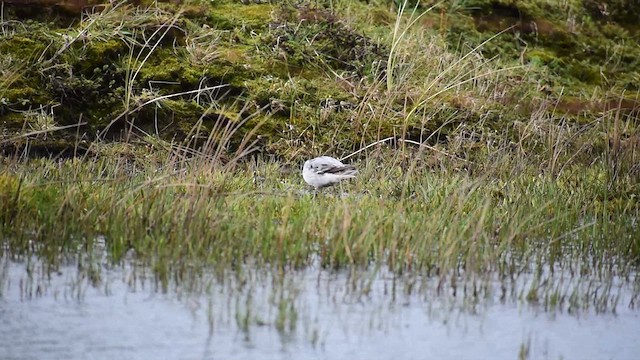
307 165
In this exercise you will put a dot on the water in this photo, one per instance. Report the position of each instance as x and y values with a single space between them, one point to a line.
125 313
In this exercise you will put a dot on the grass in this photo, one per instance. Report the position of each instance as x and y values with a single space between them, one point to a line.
483 177
176 212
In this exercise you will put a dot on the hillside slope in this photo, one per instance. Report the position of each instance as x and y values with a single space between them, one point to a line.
297 80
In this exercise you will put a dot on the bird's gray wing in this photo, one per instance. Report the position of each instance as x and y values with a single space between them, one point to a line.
334 170
329 165
330 168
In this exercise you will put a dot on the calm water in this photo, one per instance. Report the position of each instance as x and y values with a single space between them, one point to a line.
305 315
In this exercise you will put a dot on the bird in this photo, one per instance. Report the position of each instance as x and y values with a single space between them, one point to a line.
325 171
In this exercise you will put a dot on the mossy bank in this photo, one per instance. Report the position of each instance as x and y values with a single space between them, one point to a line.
313 78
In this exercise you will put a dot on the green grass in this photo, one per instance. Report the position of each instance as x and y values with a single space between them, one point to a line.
410 218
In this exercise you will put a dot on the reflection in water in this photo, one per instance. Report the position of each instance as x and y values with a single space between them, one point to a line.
124 313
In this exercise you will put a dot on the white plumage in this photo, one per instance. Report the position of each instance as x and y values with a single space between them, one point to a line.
325 171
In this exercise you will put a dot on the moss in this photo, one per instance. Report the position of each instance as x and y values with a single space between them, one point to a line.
314 36
541 57
53 145
286 60
621 11
562 42
99 53
584 72
381 16
578 46
12 123
233 16
22 48
169 118
195 11
231 68
166 65
614 31
21 96
236 55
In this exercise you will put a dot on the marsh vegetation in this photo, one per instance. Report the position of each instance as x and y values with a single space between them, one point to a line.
498 161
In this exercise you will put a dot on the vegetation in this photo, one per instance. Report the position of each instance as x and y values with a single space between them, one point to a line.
397 215
338 77
505 140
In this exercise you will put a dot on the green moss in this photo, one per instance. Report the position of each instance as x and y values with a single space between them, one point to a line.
614 31
237 55
584 72
171 119
22 96
294 62
12 123
166 65
21 48
570 43
99 53
233 16
304 36
541 57
233 71
381 16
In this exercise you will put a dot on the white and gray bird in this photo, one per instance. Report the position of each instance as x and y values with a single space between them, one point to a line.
325 171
